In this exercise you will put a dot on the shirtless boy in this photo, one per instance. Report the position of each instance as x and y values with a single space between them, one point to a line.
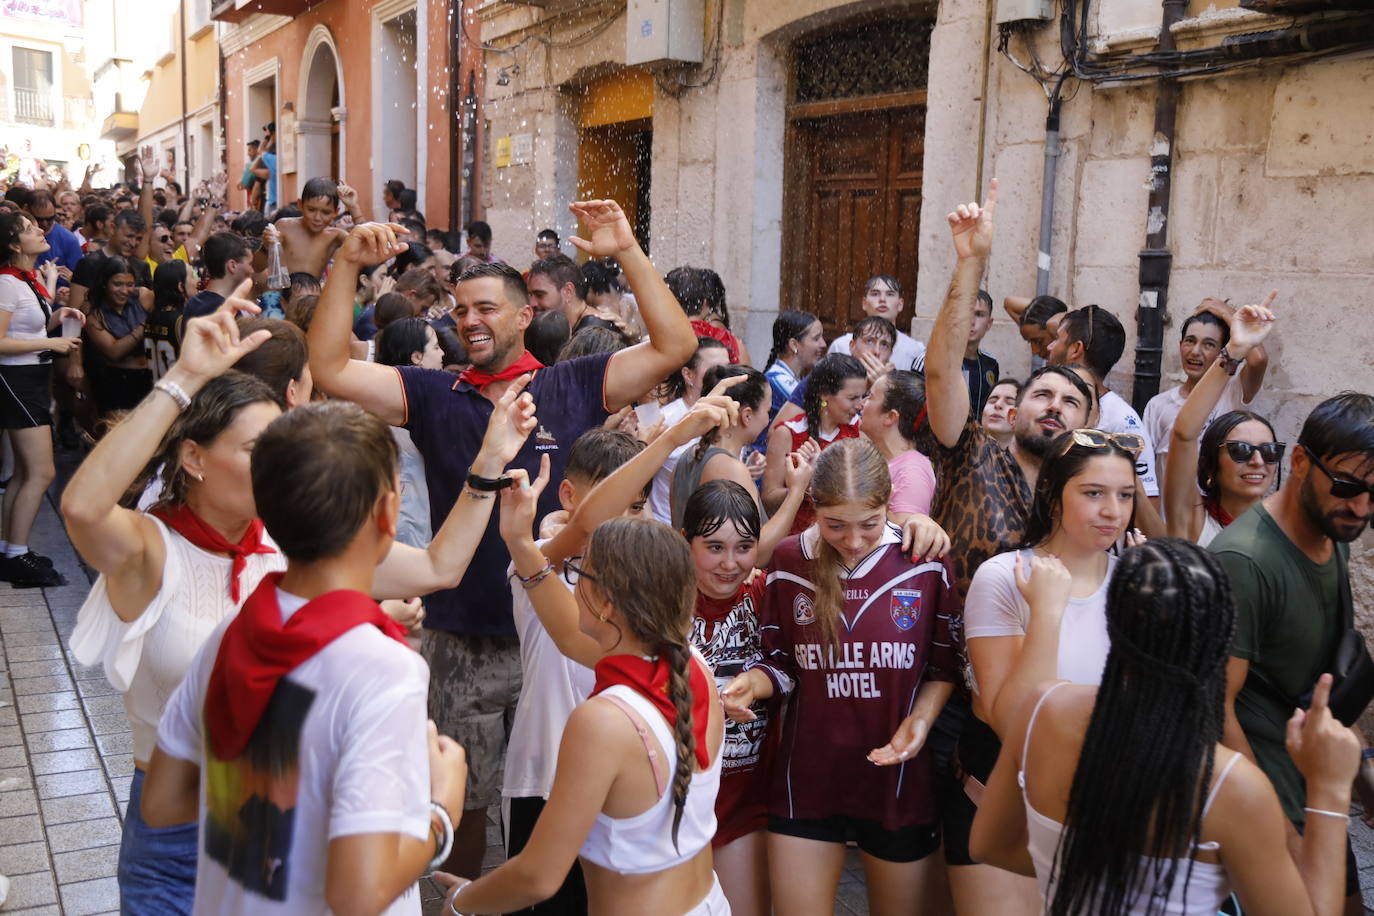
308 241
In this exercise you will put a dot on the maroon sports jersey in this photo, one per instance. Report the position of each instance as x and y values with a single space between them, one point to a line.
892 637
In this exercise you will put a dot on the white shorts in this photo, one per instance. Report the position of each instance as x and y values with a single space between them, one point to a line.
713 904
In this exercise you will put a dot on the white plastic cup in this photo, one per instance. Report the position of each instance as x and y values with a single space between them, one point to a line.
71 327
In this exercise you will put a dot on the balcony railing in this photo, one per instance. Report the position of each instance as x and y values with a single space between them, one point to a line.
33 107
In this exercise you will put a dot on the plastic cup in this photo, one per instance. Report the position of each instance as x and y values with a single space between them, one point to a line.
71 327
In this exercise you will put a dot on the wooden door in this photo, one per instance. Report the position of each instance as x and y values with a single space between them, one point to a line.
858 204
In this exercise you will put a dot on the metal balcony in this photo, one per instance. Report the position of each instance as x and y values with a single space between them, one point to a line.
32 106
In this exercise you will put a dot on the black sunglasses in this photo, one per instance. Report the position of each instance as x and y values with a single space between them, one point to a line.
1240 452
1342 487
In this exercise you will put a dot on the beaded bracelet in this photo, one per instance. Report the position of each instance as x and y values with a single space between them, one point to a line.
529 582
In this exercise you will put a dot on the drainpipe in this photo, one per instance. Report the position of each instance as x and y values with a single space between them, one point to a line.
1156 259
455 143
1047 183
185 147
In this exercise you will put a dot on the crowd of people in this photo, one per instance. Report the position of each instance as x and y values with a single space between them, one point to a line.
390 534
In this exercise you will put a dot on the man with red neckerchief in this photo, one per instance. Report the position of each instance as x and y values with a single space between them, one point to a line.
470 638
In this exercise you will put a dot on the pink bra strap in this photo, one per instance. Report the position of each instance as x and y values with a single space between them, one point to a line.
644 736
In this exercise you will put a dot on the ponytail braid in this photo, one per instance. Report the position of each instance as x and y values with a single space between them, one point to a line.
826 379
749 391
788 326
680 692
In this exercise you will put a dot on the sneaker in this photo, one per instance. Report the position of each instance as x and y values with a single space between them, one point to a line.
30 571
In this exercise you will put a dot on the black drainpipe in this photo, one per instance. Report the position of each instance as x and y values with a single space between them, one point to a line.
1156 258
455 109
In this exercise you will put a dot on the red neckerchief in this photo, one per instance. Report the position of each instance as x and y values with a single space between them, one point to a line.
258 650
650 680
703 328
1214 509
30 277
193 528
480 380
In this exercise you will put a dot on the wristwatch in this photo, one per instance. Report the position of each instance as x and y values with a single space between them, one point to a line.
489 484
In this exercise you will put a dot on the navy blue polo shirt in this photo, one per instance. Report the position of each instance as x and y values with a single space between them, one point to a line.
447 420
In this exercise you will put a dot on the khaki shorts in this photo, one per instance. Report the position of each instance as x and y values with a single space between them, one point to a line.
474 683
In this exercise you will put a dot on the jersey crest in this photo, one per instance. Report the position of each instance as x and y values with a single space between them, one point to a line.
906 607
803 610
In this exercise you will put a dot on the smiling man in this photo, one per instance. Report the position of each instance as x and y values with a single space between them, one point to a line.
470 638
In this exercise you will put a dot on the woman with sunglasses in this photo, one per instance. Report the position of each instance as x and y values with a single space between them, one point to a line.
1211 482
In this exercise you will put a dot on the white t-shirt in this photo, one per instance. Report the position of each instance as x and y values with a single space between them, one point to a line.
906 354
26 319
552 687
1116 416
660 491
995 607
1162 411
356 721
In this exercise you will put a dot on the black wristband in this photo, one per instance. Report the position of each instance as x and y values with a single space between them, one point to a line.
488 484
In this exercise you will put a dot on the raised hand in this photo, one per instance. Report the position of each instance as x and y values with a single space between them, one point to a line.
347 196
210 345
971 226
147 162
512 421
519 504
1325 751
709 412
48 275
607 226
371 243
1046 585
1251 324
905 744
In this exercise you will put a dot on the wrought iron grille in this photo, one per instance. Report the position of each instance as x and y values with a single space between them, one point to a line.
876 58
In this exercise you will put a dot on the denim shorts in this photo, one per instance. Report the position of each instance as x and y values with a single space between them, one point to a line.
157 865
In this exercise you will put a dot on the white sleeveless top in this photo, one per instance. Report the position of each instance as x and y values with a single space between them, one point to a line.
1208 887
147 658
1210 529
643 844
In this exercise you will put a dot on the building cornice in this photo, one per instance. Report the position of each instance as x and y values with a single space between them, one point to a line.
254 28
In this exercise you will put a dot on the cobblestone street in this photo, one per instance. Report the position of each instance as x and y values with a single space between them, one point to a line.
65 761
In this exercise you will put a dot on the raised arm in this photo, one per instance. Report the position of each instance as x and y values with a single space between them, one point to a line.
376 387
1016 306
1003 689
670 342
349 198
119 542
946 391
409 570
147 162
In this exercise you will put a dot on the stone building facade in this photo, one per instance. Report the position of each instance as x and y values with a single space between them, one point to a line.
794 167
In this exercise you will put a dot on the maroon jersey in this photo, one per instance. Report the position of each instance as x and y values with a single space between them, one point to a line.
726 632
892 636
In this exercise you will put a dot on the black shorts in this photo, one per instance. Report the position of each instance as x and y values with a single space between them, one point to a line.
571 899
905 844
25 396
962 744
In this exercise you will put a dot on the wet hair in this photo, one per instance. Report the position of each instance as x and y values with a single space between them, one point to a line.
645 570
548 235
1161 707
317 472
1206 318
1102 336
213 410
478 230
280 359
1041 309
717 502
1341 425
400 340
592 340
547 335
395 186
788 326
752 390
415 227
890 281
303 283
392 307
675 385
169 290
906 394
829 376
414 254
406 199
561 270
249 224
1209 449
599 278
596 454
221 248
513 283
12 223
699 289
849 471
1064 460
321 187
876 325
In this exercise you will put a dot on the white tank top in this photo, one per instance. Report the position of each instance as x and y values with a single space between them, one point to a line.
643 844
147 658
1208 887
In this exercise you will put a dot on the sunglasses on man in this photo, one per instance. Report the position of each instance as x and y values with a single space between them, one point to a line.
1342 487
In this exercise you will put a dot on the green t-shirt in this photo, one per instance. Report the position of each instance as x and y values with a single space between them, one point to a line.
1288 623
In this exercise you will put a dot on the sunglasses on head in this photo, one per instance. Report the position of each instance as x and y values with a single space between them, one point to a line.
1342 487
1096 438
1240 452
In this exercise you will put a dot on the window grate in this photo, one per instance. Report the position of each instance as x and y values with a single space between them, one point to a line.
873 59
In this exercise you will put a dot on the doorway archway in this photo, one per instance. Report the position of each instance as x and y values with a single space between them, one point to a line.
321 113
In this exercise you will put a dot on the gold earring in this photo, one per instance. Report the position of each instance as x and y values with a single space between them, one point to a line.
824 403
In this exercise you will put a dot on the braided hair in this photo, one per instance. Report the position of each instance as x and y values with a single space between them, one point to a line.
1161 707
648 575
788 326
828 378
750 391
